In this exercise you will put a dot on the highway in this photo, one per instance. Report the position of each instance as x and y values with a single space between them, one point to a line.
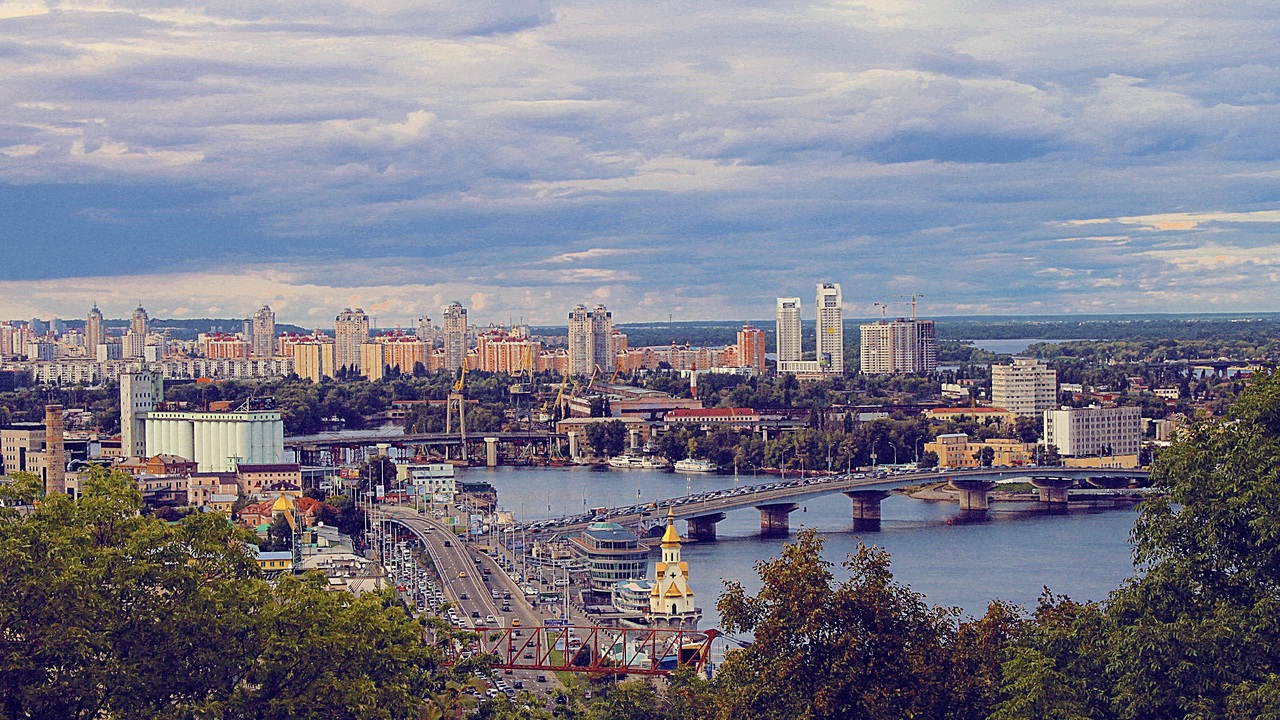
464 582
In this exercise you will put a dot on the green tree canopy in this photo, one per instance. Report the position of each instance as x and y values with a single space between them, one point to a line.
864 648
107 613
1195 633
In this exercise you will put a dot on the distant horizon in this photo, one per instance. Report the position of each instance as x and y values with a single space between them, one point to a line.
234 324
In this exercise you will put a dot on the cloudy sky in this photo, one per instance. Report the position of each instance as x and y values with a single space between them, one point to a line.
694 158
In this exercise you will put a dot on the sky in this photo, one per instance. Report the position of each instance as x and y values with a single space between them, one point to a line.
685 159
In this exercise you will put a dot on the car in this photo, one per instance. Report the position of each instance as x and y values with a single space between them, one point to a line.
475 613
462 574
517 684
541 678
463 596
528 655
448 544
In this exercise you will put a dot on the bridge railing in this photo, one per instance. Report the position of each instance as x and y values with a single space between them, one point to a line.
589 649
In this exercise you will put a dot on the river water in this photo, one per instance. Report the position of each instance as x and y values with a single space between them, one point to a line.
1020 550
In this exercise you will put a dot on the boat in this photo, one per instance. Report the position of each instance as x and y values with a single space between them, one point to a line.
692 465
638 462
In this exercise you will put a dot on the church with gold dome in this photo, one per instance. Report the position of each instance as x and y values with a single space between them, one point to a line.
671 601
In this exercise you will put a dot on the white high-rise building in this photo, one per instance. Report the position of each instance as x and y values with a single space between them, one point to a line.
591 340
140 390
1027 387
830 343
789 342
264 333
900 346
350 331
455 337
425 332
1079 432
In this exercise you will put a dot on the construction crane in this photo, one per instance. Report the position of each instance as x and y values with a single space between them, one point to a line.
913 297
883 307
546 409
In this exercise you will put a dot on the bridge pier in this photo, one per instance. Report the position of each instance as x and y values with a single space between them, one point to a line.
703 527
973 493
491 452
1053 490
775 519
866 508
1109 483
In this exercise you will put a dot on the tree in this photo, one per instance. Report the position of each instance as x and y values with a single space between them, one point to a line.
380 470
607 438
1050 456
865 648
279 535
105 612
1027 429
1194 634
928 459
985 455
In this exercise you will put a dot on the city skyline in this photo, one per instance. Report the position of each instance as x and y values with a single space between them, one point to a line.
694 161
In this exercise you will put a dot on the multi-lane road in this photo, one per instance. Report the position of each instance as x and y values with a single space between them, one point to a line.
489 599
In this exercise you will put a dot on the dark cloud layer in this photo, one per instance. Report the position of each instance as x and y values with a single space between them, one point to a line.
692 158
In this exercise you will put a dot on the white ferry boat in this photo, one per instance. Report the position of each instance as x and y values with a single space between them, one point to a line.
696 466
639 462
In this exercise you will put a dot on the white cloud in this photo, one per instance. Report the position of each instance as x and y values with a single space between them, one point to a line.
534 153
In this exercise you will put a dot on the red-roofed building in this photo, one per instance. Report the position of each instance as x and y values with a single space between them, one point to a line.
162 464
263 512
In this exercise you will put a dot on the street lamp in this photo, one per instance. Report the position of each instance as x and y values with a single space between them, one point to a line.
918 441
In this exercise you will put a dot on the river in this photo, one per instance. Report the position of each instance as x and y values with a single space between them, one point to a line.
1084 553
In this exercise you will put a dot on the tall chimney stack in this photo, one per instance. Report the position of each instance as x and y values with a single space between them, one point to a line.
55 451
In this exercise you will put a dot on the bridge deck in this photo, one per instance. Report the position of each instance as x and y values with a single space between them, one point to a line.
751 496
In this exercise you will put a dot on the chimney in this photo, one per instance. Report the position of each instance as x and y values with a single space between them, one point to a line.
55 451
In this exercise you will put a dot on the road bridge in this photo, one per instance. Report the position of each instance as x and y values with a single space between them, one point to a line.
777 500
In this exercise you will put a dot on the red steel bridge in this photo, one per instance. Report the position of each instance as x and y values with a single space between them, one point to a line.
587 649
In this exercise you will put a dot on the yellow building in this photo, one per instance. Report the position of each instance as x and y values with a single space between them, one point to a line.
313 360
1109 462
275 562
955 450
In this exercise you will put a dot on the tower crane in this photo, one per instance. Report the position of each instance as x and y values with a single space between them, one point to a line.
883 307
913 297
